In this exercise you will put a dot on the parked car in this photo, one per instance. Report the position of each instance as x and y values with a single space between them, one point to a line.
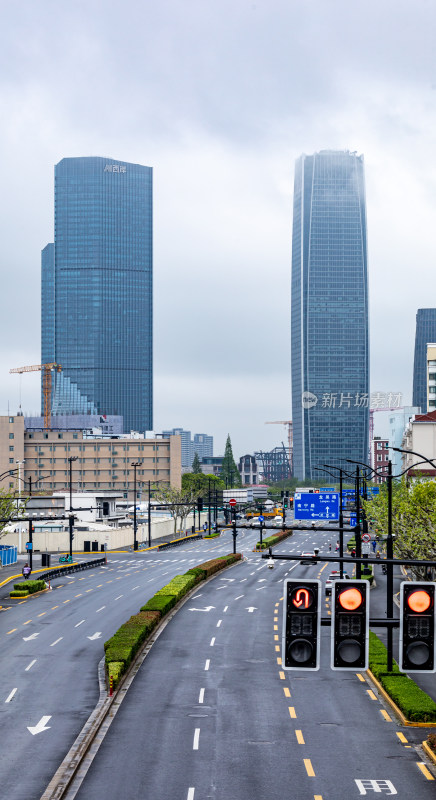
335 575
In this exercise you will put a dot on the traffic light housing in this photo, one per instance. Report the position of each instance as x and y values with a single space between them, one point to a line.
350 625
301 637
200 503
417 626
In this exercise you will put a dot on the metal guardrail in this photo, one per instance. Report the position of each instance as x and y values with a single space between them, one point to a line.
175 542
65 570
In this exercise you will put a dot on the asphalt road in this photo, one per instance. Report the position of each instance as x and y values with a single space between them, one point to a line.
52 644
211 713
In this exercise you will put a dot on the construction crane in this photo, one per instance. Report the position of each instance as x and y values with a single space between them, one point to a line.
46 370
288 423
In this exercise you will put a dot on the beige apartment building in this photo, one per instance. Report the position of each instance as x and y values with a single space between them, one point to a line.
41 459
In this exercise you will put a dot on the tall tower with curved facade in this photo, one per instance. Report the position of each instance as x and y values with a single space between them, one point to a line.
97 290
329 325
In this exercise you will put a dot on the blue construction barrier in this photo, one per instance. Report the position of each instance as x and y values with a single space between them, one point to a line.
8 554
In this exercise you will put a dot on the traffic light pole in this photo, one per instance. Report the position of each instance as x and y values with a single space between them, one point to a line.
390 568
234 532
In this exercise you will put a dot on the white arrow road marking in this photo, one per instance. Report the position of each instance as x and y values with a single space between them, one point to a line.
79 623
29 666
250 609
53 644
208 608
94 636
228 579
9 698
41 726
32 636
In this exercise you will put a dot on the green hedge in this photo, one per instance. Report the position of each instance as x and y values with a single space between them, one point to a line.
17 593
270 541
125 643
415 704
30 586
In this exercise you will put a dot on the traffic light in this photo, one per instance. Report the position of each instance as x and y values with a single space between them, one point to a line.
301 624
417 626
350 625
200 503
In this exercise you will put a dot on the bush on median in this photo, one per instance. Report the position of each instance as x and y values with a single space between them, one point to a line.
17 593
30 587
270 541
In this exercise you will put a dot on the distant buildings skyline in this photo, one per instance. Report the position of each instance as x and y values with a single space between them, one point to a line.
329 319
202 444
96 290
425 333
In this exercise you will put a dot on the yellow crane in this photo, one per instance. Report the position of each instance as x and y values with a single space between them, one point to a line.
288 423
46 370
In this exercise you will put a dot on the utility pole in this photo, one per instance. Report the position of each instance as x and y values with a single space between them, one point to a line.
134 465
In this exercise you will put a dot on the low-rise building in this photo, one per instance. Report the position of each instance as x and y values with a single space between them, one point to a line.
420 436
380 458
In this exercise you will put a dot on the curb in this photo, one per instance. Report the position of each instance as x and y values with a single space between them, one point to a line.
404 721
68 771
429 752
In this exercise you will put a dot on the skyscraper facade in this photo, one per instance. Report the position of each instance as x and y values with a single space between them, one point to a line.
97 290
425 333
329 325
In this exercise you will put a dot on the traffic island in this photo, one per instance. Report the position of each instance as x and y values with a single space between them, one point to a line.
270 541
26 588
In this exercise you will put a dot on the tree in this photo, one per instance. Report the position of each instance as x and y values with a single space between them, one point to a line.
229 470
413 520
10 506
196 467
180 503
199 483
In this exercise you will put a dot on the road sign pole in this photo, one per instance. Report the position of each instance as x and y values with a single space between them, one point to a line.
341 524
234 534
30 553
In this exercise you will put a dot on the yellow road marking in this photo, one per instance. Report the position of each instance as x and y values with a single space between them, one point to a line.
13 629
276 627
281 598
89 590
99 585
282 676
54 607
386 715
67 601
309 768
402 737
112 581
292 712
21 602
361 678
276 619
317 797
426 772
26 623
371 694
78 595
277 605
329 612
286 691
41 615
319 573
277 648
279 662
300 737
81 579
276 637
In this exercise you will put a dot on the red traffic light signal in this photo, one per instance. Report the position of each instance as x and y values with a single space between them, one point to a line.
301 624
350 625
417 627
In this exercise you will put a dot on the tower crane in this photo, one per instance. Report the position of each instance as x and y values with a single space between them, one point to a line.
288 423
46 370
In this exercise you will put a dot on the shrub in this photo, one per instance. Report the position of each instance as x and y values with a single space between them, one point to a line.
30 586
415 704
431 741
162 603
17 593
128 639
115 670
270 541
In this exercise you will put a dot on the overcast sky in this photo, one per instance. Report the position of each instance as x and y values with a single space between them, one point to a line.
220 97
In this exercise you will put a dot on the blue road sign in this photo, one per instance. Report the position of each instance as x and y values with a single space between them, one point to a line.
353 519
261 518
316 506
327 489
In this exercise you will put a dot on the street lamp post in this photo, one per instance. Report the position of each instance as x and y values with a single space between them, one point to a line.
71 516
136 464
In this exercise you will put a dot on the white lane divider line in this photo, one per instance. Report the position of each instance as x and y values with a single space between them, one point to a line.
79 623
9 698
207 664
239 596
57 640
135 587
242 580
100 609
196 739
191 792
201 696
212 641
225 608
219 623
195 596
29 666
119 597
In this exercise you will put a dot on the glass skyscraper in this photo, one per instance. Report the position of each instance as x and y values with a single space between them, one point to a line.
97 290
425 334
329 325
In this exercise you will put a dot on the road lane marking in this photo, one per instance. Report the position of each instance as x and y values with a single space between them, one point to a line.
279 662
309 768
201 696
426 772
212 641
276 627
287 691
191 792
402 737
44 612
219 623
277 648
29 666
26 623
67 601
206 666
119 597
225 608
99 585
386 715
78 595
300 737
79 623
12 631
276 637
282 676
10 696
100 609
57 640
135 587
53 607
292 712
239 596
196 739
360 677
371 694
